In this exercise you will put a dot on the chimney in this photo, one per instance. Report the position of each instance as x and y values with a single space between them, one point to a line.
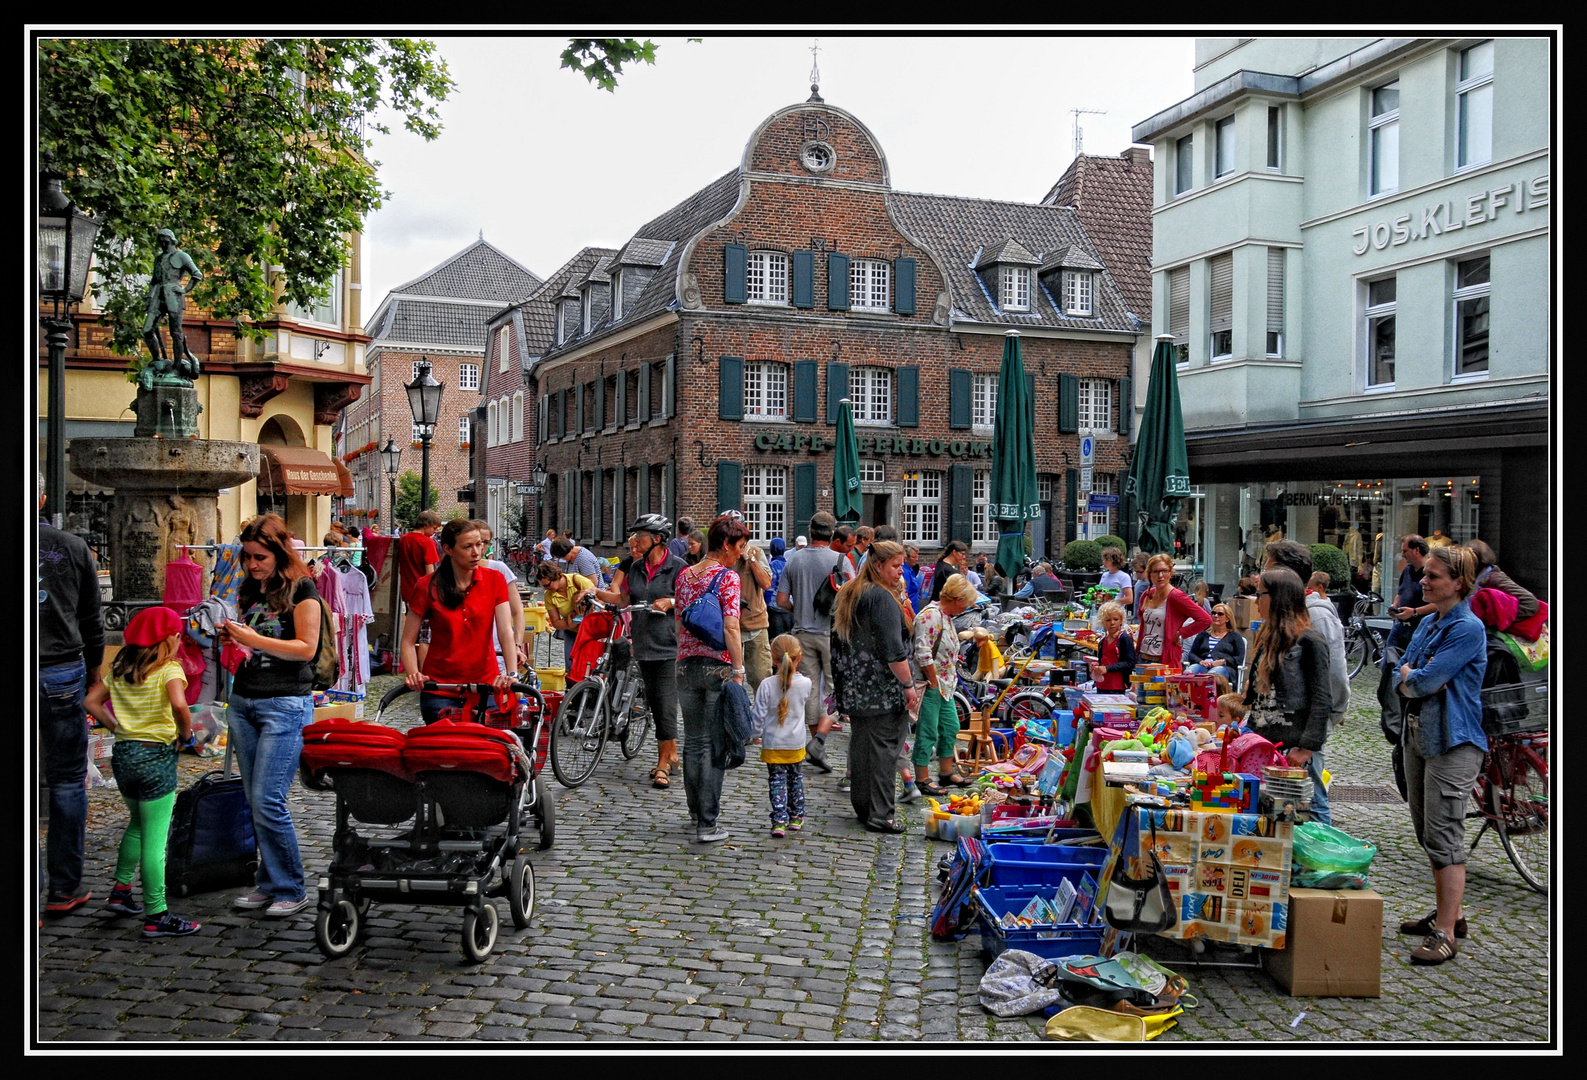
1137 155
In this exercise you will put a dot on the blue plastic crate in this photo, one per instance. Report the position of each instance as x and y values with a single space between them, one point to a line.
1028 865
1072 939
1064 725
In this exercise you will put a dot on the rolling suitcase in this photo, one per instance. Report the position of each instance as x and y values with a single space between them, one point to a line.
212 844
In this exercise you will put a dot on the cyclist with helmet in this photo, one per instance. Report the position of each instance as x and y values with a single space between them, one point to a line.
646 576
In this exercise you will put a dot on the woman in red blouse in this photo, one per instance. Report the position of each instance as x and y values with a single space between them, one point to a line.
463 599
1166 615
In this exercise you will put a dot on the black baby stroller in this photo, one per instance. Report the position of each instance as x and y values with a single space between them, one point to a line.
465 787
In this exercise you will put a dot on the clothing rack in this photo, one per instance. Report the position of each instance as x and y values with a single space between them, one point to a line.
355 553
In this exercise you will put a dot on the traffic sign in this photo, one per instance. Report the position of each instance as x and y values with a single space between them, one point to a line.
1087 451
1098 502
1085 478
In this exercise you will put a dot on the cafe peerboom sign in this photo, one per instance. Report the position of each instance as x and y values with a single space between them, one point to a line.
875 444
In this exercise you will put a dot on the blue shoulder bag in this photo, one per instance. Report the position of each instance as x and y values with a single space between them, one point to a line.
703 617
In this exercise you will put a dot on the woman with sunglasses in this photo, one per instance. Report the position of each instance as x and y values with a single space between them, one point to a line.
1166 615
1288 692
1218 649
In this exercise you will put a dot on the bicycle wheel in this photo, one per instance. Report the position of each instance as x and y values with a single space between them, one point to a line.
638 725
1029 705
1521 807
1355 651
579 735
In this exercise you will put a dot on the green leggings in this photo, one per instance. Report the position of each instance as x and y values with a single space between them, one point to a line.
148 826
937 733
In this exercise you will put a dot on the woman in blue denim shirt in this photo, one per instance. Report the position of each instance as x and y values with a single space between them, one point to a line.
1443 740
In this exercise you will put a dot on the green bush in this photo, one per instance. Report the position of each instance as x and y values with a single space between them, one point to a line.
1082 555
1105 542
1331 559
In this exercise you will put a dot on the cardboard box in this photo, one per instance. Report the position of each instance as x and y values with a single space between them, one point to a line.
1242 609
345 710
1335 944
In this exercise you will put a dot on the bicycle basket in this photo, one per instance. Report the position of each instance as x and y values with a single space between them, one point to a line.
1515 707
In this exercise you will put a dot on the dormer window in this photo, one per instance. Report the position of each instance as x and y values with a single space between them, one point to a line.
617 295
1013 288
562 330
1077 292
585 298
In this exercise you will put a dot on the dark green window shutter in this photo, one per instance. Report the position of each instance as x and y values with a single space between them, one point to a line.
554 417
837 282
735 289
904 286
600 404
578 507
909 397
730 390
540 426
837 388
804 279
642 492
567 498
644 391
621 407
597 507
669 388
958 398
619 498
1030 392
729 485
961 491
804 410
1068 403
578 410
669 496
1071 494
1126 408
804 507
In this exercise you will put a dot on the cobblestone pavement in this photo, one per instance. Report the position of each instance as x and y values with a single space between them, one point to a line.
641 934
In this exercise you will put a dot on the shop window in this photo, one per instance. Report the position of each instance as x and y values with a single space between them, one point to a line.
922 521
766 391
983 403
1013 291
766 277
765 502
870 284
1475 106
871 393
1224 132
1380 332
1184 164
1471 316
1384 128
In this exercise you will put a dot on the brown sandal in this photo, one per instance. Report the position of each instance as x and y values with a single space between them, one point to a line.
954 779
658 778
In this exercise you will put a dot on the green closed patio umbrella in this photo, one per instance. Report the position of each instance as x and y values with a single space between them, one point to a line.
846 498
1159 474
1013 499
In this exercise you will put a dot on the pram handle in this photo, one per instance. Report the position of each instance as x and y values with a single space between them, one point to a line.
467 688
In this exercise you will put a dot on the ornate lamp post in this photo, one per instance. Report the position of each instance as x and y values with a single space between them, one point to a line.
66 246
424 401
538 475
391 453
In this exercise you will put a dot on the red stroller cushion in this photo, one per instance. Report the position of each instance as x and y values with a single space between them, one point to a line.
351 744
448 746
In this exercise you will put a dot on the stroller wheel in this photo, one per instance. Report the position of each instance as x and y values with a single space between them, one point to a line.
336 929
521 891
545 815
479 932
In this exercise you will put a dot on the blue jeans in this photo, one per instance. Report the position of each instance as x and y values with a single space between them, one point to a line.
1320 810
699 689
268 736
63 730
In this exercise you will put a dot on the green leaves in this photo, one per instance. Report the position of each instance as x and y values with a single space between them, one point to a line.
601 60
251 151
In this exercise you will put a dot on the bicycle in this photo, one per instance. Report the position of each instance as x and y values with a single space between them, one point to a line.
1365 634
1511 793
607 703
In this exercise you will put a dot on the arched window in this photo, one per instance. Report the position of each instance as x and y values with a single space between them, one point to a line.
490 424
517 417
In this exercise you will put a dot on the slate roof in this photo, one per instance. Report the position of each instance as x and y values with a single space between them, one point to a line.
958 230
1113 196
1071 258
645 251
434 309
1009 251
435 322
539 308
478 272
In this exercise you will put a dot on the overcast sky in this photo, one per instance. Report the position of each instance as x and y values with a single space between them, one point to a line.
545 163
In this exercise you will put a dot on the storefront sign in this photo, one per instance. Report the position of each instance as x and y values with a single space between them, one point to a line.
874 444
1453 214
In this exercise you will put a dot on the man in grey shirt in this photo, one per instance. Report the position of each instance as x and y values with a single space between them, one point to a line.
802 576
579 560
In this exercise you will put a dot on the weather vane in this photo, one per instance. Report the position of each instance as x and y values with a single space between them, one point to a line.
815 70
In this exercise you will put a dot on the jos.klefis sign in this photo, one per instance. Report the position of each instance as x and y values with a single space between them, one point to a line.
874 444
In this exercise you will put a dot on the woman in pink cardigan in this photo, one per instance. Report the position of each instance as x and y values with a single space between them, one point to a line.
1166 615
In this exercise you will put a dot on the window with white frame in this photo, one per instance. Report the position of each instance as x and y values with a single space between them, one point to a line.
870 281
468 376
1013 290
766 390
872 472
327 310
562 334
922 521
418 433
1044 487
1224 132
871 392
504 420
1275 138
1379 328
765 502
415 374
1475 94
586 297
617 295
462 429
1100 523
1384 129
766 277
982 530
491 424
1096 405
503 348
1077 289
517 417
983 401
1471 316
1184 164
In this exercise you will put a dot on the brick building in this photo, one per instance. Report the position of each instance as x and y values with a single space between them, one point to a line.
701 367
439 316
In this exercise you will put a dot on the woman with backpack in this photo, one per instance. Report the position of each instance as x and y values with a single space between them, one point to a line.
272 701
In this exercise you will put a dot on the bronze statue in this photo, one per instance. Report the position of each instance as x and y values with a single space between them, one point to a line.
167 295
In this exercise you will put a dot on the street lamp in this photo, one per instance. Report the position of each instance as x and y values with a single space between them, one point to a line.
392 454
424 401
538 475
66 246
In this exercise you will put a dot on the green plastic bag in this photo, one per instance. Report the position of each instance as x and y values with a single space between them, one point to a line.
1323 847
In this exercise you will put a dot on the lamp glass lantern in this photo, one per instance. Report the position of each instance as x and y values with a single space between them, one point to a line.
392 453
66 245
424 398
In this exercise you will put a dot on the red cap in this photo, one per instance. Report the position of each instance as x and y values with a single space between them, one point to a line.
152 625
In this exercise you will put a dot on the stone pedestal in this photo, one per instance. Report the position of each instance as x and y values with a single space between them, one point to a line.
167 410
165 492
